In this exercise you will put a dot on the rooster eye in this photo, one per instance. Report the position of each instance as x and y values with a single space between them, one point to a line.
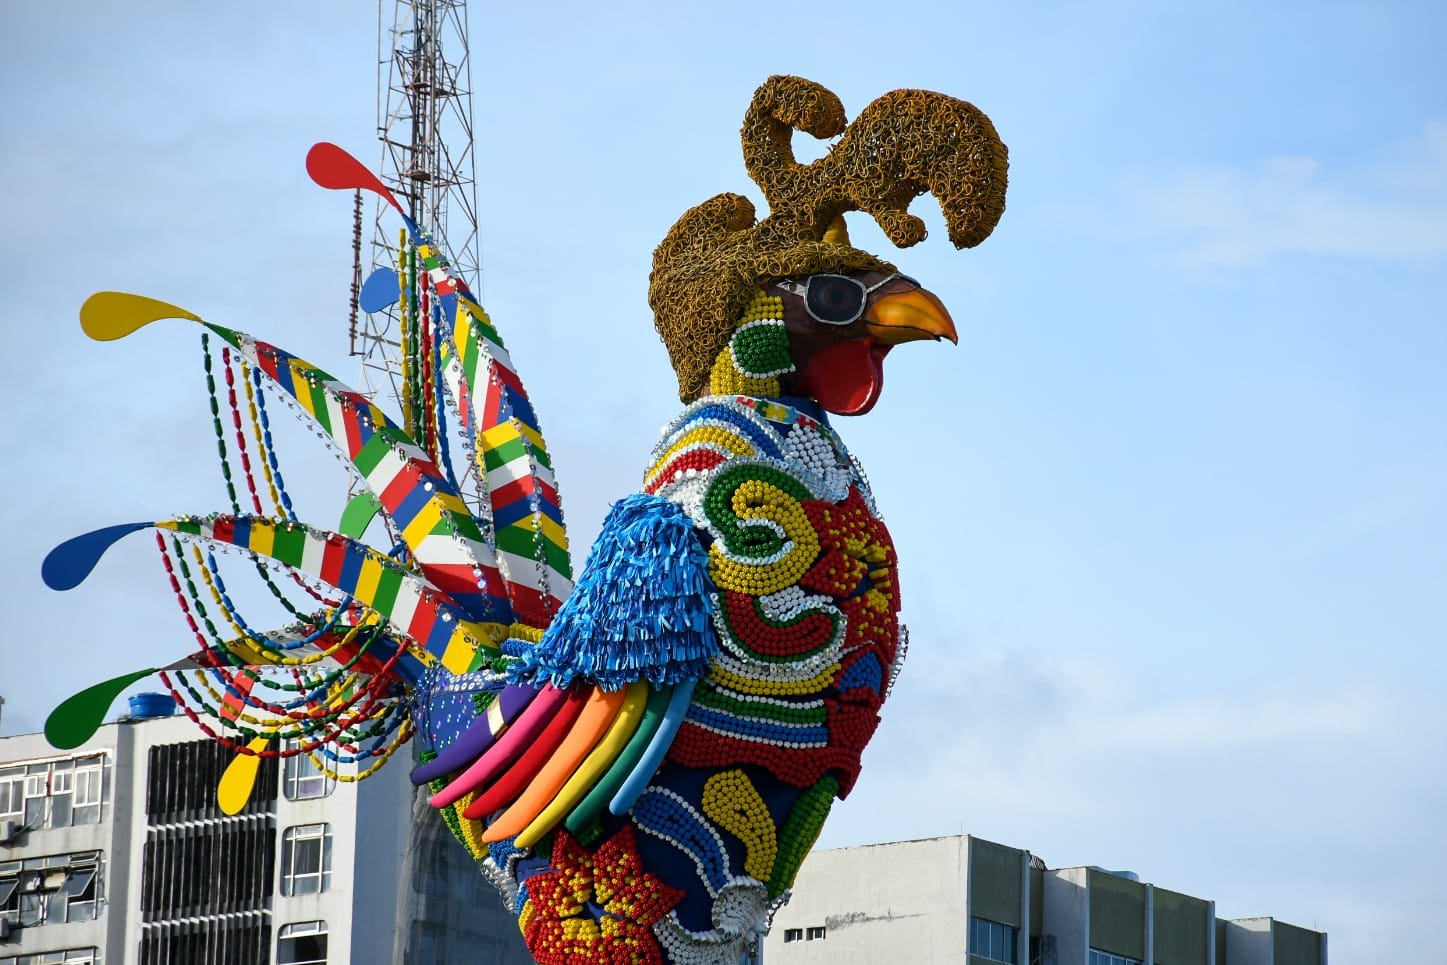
834 299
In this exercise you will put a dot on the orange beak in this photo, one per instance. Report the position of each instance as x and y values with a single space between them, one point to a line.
909 316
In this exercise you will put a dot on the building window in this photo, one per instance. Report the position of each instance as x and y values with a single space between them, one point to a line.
85 807
306 859
1098 957
994 940
10 891
62 793
304 943
75 956
81 889
12 795
302 779
55 794
37 788
50 890
813 933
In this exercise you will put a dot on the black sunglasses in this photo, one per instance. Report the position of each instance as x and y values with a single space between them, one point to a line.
837 299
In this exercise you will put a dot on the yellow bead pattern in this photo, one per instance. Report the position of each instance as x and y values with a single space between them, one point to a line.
521 631
580 929
760 503
471 830
716 437
763 308
725 378
731 801
772 686
526 916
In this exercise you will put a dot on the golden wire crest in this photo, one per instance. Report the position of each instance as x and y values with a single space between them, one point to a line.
904 144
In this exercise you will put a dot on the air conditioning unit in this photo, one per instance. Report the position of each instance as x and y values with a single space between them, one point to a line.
9 831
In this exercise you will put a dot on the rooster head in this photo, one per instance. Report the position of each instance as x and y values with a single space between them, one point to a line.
840 328
787 305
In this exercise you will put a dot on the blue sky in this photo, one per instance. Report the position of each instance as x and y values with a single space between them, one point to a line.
1171 517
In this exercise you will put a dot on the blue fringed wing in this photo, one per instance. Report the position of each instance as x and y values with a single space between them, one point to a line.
642 609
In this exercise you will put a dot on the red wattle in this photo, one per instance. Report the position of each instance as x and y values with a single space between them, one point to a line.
845 377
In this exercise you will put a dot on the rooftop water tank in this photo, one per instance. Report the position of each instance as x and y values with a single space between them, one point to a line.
146 706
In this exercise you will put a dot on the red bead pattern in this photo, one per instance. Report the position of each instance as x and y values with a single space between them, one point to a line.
803 637
854 576
689 461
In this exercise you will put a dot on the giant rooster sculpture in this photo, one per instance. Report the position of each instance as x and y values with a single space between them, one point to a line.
641 764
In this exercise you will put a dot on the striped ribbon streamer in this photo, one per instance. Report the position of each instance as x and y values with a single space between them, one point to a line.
512 456
434 522
409 604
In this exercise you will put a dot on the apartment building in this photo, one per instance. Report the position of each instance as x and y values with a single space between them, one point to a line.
115 853
965 899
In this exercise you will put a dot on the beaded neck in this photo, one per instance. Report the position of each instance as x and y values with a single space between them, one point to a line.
796 410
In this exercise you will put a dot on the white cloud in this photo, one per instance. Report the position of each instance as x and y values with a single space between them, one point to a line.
1231 720
1229 217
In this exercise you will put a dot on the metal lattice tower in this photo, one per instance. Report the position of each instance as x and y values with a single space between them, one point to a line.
424 121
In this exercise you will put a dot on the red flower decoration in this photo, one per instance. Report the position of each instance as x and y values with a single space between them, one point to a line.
596 907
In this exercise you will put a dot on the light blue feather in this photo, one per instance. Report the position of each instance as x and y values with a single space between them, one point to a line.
642 609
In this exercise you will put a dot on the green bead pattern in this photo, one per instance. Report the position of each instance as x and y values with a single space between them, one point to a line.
752 542
800 832
761 349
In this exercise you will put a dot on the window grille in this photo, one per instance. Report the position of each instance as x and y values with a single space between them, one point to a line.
303 943
302 779
994 940
1098 957
306 859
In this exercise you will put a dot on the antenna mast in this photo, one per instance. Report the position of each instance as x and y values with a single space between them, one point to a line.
424 121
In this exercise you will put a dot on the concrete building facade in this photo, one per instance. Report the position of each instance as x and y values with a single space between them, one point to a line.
115 853
965 899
